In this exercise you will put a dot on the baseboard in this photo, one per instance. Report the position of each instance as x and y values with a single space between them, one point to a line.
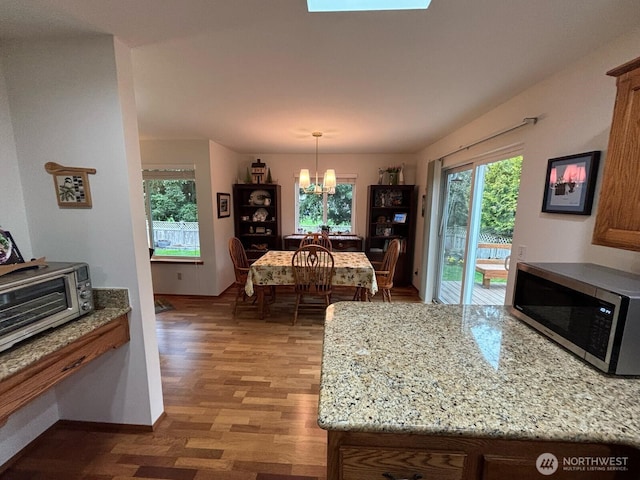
107 427
86 426
9 463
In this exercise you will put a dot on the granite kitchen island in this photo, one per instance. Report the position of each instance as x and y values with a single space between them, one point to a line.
452 392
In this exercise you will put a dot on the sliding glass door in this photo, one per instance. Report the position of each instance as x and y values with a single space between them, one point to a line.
476 230
454 224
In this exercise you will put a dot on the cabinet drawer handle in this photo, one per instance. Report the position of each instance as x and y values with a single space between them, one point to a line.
75 364
416 476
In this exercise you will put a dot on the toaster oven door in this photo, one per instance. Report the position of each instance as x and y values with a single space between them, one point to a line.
31 308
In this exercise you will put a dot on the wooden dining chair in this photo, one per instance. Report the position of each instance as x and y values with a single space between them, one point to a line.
321 239
240 268
384 272
313 270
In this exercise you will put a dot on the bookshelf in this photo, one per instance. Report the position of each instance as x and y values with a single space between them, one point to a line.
256 211
391 213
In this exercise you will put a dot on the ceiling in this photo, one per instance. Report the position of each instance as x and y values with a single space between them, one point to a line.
258 76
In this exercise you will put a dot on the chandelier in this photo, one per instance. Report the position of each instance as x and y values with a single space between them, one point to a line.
328 180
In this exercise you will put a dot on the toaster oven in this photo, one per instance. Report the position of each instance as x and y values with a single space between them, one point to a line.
35 300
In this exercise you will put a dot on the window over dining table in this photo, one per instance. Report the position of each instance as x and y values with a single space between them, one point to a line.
337 210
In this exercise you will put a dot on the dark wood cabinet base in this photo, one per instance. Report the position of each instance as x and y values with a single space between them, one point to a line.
360 456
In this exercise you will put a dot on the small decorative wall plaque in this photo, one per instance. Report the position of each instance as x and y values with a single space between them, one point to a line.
71 185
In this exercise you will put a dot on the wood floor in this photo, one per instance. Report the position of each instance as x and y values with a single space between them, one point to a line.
240 400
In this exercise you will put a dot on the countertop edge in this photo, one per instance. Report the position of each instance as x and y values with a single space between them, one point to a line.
630 440
362 388
32 350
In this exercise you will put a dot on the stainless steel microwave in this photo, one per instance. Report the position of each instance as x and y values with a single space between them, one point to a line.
591 310
34 300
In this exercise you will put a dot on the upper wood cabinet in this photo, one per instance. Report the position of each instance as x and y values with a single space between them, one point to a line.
618 217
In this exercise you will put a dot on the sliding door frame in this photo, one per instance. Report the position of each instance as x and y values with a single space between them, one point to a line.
477 165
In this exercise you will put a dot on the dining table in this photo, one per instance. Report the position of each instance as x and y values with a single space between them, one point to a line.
274 268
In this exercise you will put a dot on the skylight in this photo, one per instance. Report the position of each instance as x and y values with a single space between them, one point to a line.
359 5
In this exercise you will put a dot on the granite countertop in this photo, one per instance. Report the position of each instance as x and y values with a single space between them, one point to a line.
109 303
464 370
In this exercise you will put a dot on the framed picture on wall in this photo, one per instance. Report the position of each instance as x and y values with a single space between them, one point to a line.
71 185
72 190
224 205
570 183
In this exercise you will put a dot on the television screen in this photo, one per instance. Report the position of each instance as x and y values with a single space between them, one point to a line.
400 217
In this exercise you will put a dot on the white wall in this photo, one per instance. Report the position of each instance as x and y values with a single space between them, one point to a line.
224 164
71 101
26 424
13 219
225 168
215 172
575 109
189 154
285 168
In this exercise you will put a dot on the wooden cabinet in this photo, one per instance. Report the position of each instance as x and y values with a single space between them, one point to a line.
22 387
391 213
361 463
339 243
618 218
367 455
256 210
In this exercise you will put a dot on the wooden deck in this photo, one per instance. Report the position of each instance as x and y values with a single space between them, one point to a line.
481 296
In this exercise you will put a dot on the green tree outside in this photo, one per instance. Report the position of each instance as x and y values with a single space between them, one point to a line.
458 202
500 197
339 207
173 200
499 202
310 215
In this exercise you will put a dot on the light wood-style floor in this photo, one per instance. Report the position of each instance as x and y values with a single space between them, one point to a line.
240 400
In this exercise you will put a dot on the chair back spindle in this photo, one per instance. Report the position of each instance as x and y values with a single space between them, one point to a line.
313 270
321 239
240 268
384 275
